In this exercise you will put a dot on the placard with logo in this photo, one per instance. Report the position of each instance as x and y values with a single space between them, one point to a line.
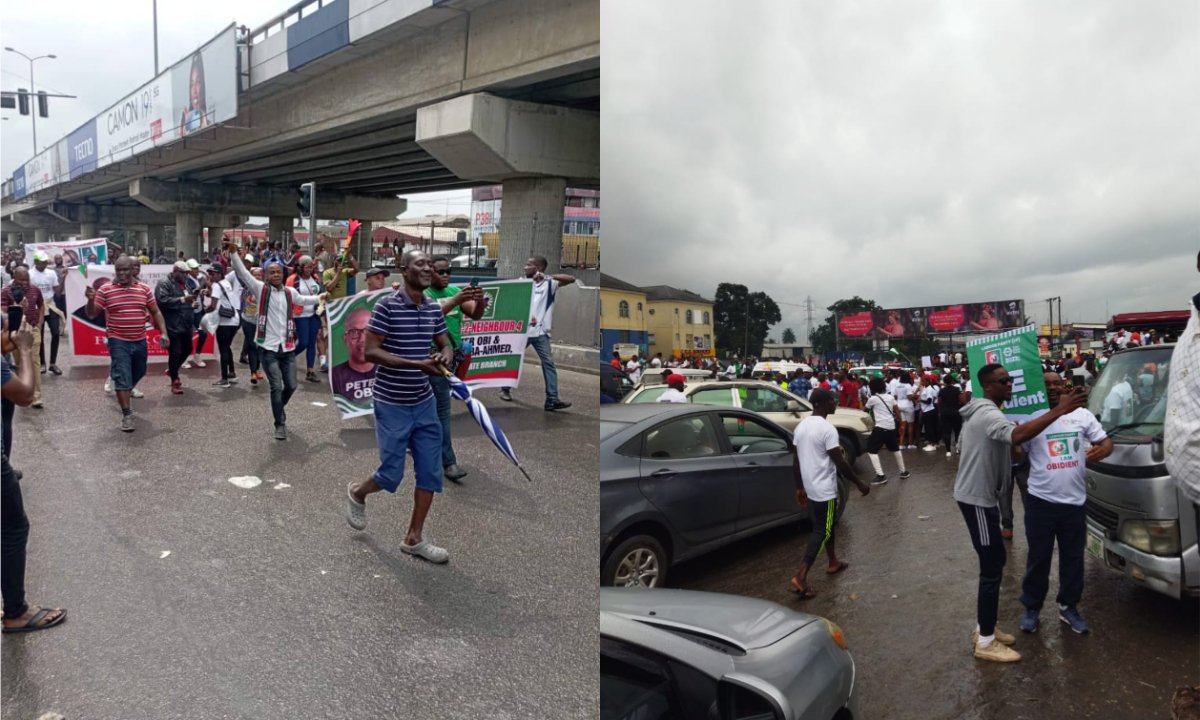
1017 351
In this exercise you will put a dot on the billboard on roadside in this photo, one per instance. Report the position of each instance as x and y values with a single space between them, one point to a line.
991 316
195 93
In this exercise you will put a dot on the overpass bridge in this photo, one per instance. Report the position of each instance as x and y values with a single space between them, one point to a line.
370 99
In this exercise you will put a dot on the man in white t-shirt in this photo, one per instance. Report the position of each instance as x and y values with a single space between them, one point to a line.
656 361
46 279
1054 508
882 408
540 322
674 391
819 460
634 370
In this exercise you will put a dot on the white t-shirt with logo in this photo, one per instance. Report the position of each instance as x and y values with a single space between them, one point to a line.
44 280
1056 457
901 393
929 396
880 407
814 438
542 308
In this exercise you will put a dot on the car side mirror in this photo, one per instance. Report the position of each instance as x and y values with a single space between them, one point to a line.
738 699
793 407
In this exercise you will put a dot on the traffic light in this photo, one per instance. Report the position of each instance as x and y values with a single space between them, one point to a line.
43 104
8 100
307 193
23 100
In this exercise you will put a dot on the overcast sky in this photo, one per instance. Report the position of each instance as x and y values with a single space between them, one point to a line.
106 51
908 152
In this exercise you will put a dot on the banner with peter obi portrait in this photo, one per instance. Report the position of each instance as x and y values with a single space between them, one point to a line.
495 343
88 335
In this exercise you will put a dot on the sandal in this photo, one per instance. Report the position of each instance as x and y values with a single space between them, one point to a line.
834 570
35 622
804 592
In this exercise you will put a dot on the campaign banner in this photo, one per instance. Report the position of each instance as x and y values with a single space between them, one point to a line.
1017 351
19 183
496 341
498 338
74 252
88 335
882 323
39 171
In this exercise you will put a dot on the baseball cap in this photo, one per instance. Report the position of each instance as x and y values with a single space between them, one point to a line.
40 256
675 378
192 264
181 265
215 268
376 271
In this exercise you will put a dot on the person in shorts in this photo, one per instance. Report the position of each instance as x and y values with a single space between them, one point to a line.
883 409
819 460
128 306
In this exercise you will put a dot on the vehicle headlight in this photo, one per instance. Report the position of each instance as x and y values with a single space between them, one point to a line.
835 632
1157 537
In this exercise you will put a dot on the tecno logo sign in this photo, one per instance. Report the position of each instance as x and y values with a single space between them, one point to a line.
85 149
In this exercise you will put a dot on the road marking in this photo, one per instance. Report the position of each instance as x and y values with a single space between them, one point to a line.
164 554
246 481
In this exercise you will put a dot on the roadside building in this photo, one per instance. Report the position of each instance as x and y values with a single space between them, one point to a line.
678 322
622 315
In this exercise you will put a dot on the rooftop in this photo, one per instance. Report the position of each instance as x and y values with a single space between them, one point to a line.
666 292
608 282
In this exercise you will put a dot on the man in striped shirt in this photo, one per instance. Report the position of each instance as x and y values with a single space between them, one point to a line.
127 306
398 340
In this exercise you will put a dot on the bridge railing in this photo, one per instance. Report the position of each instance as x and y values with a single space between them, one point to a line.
288 17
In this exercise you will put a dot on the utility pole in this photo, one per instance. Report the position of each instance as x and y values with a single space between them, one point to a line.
33 112
808 311
746 339
155 38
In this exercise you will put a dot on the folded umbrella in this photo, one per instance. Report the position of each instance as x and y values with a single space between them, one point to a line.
460 390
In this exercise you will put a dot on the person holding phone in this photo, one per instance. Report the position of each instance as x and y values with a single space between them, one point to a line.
987 439
455 303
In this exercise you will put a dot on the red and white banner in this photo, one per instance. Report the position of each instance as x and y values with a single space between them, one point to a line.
88 335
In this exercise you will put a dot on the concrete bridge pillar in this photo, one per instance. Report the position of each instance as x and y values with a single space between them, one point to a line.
281 228
41 235
14 240
188 234
362 246
215 232
532 224
154 238
88 231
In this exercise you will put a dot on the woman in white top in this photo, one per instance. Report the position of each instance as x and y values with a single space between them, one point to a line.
929 418
904 392
228 302
307 322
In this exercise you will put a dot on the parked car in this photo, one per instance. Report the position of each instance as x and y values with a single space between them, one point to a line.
772 402
686 654
771 367
654 376
679 480
1139 523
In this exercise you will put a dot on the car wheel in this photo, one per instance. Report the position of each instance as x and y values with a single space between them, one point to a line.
847 449
638 561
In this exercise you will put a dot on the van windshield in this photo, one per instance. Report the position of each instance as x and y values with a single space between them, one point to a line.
1130 398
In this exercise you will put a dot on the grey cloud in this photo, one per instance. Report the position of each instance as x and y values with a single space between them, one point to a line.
909 152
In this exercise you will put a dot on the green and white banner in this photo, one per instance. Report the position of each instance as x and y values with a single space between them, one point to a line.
498 339
1017 351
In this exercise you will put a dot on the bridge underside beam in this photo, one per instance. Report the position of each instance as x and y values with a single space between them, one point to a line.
194 197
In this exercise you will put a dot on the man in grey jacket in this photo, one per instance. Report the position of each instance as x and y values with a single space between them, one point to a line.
987 440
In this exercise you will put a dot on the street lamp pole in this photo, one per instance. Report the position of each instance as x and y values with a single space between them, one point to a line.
32 91
155 38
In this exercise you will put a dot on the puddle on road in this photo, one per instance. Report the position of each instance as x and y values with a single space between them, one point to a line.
246 481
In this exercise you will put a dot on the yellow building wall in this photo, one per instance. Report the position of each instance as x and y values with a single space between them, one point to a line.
577 250
672 334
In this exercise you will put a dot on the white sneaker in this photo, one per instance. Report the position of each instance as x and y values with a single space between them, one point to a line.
199 363
187 365
948 454
929 448
136 393
108 388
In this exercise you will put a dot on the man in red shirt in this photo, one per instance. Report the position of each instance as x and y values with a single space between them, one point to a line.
127 306
848 392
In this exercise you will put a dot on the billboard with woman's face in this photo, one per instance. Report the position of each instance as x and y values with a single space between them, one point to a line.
204 86
992 316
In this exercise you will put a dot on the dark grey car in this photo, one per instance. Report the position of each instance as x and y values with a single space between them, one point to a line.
683 654
680 480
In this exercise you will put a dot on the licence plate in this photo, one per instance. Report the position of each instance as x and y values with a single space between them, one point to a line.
1095 545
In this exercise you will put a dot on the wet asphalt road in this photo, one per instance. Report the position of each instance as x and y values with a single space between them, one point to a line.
907 606
269 605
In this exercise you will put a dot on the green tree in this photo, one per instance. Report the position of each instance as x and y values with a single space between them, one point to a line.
741 319
789 337
825 337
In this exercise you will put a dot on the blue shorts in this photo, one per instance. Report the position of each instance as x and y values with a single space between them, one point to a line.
127 363
400 427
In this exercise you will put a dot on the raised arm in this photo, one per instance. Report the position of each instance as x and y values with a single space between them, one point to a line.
239 269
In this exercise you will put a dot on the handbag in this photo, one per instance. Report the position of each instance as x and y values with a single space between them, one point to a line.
224 311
